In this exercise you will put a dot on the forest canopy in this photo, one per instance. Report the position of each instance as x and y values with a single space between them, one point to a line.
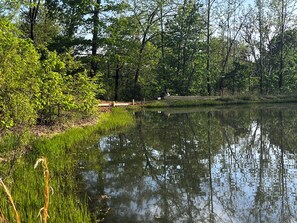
60 56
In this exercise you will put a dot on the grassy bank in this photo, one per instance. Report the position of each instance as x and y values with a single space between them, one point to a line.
63 152
192 101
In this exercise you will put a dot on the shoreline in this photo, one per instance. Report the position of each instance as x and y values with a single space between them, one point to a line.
63 150
103 107
201 101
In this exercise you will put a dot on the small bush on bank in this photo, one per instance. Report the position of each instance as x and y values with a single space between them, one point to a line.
39 85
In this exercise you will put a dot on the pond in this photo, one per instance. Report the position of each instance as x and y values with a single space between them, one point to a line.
235 164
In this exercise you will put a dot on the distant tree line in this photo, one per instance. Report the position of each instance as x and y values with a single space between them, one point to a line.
64 53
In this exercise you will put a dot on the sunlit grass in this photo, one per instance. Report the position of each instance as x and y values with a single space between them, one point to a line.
16 213
114 120
30 187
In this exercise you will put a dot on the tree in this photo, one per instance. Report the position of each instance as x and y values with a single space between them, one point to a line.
9 8
259 4
39 85
283 46
231 22
237 79
95 18
146 15
34 6
208 38
284 12
183 42
120 48
70 16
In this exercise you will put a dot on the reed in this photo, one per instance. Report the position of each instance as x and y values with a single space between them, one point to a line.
17 216
3 220
46 190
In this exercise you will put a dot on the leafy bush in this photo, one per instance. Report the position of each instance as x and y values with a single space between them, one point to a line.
19 81
65 87
83 90
40 85
53 98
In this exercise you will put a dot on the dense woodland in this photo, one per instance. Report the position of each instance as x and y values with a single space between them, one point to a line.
59 56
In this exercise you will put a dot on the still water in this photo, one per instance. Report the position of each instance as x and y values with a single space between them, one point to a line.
236 164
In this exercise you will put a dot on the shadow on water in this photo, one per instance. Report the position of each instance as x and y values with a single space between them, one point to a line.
208 165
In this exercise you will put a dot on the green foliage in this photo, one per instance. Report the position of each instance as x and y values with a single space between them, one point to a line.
237 79
8 8
125 55
52 97
41 85
19 81
65 87
139 49
289 64
83 90
183 50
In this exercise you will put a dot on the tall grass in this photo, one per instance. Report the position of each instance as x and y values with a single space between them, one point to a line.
17 216
46 194
63 153
117 118
3 220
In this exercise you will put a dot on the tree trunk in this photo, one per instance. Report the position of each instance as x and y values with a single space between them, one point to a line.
208 49
162 49
145 39
281 72
261 70
33 12
94 64
116 86
137 71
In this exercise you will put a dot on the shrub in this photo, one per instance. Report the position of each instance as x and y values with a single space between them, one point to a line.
19 88
65 87
53 98
40 85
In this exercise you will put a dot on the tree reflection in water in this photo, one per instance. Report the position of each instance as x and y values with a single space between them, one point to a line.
215 165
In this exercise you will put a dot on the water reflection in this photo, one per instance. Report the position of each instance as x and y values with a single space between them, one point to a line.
219 165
